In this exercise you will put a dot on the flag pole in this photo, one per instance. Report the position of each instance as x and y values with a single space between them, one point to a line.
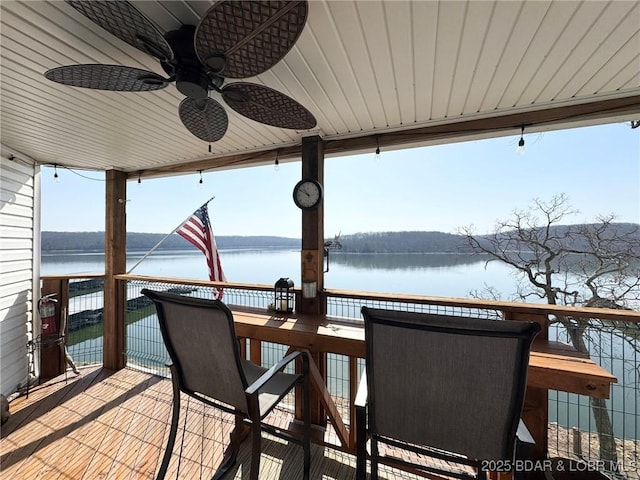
165 237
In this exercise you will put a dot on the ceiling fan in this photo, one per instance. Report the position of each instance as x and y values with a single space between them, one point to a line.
234 39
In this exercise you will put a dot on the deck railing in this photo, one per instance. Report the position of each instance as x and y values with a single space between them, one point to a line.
612 342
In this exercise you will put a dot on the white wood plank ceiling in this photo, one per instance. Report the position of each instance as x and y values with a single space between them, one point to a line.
363 68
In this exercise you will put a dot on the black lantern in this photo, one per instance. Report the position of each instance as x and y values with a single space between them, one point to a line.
284 295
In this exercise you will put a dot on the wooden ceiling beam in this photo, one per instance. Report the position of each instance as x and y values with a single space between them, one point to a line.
455 130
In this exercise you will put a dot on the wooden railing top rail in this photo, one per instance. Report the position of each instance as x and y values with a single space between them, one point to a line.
199 283
504 306
71 276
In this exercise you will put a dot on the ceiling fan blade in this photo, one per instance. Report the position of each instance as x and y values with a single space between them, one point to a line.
206 119
268 106
239 39
107 77
125 21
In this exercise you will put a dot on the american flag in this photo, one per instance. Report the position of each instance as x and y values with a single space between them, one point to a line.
197 230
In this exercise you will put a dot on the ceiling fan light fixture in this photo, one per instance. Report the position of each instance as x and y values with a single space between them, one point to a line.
215 63
192 84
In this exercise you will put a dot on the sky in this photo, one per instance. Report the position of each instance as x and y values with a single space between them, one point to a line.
437 188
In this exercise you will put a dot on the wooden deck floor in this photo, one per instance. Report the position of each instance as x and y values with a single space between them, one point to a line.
113 425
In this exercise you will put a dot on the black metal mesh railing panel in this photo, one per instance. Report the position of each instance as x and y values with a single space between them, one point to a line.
85 320
145 348
349 308
604 433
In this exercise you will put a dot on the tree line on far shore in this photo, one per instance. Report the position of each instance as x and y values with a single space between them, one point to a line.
373 242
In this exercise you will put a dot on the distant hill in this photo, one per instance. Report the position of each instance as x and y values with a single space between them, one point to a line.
402 242
375 242
439 242
94 242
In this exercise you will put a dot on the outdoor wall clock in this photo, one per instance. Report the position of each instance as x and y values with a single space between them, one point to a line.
307 194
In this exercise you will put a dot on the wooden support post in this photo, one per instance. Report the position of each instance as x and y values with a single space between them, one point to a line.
115 263
318 413
312 255
255 351
535 414
312 261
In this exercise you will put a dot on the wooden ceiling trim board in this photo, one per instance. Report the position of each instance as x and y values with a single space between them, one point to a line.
401 54
447 55
627 78
482 128
66 29
549 74
69 154
455 131
622 75
40 148
66 108
14 36
503 13
319 79
114 101
424 50
70 151
39 118
524 30
372 23
614 65
592 52
229 161
353 39
333 58
474 33
542 43
384 63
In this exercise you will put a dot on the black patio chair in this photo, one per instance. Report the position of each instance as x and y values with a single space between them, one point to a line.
447 392
206 364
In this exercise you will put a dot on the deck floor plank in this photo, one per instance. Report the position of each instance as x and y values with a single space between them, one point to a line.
114 425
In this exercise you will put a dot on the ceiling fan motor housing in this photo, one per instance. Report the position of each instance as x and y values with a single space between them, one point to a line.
191 79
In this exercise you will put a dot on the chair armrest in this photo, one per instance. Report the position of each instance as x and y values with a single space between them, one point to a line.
360 404
523 435
266 376
363 394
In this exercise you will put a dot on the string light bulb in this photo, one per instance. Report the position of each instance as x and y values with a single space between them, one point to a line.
276 167
55 174
520 148
139 179
200 181
377 155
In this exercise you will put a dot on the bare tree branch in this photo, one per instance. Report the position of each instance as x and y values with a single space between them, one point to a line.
593 265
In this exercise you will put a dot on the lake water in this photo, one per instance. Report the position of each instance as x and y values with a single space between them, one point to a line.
447 275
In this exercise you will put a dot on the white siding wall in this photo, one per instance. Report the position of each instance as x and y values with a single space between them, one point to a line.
19 265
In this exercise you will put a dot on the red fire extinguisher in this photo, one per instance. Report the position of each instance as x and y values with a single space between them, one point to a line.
47 309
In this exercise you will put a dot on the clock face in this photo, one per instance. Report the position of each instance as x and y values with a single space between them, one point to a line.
307 194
